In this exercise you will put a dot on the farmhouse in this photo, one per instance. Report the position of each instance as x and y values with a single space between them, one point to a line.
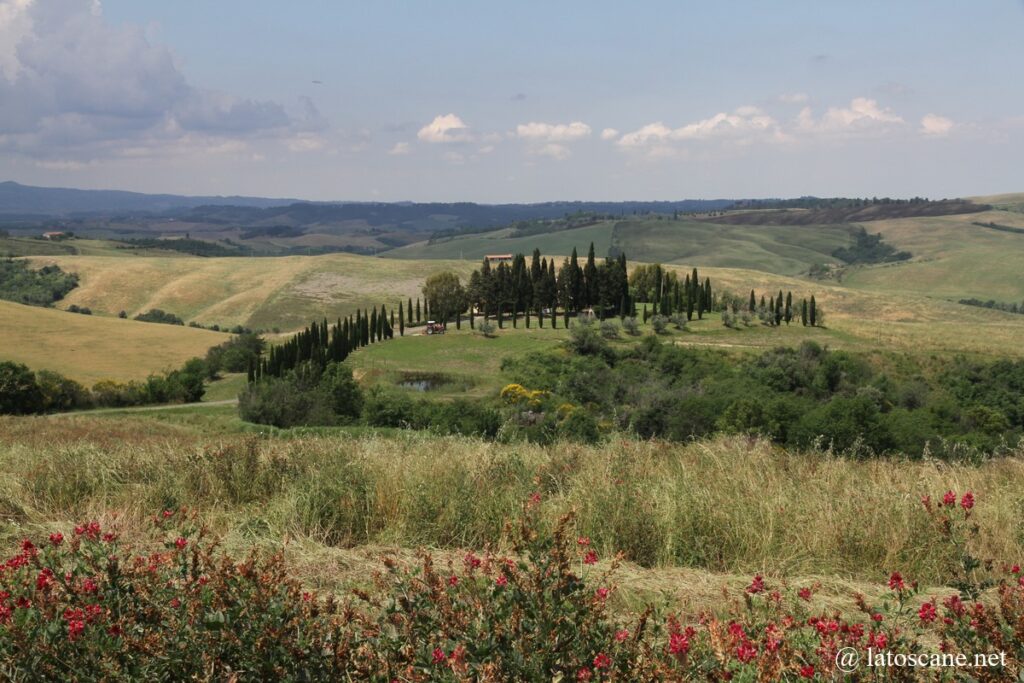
495 259
54 235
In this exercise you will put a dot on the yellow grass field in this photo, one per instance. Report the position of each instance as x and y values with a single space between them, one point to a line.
90 348
285 292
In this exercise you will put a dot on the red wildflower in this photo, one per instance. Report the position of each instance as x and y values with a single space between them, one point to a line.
471 561
602 661
23 603
438 655
109 537
927 612
453 580
601 593
307 596
584 674
533 500
877 617
896 582
621 636
175 603
1015 569
28 548
44 580
501 580
949 499
807 671
181 542
583 540
967 502
804 593
90 530
746 651
89 586
75 629
877 640
955 605
590 557
56 538
757 585
167 513
678 644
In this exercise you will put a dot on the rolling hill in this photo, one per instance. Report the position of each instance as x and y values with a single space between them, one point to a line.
256 292
90 348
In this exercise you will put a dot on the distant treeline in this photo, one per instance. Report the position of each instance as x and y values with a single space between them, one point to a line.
186 246
23 285
997 305
825 202
996 226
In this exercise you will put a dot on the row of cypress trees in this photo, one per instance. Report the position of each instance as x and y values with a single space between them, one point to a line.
777 310
321 343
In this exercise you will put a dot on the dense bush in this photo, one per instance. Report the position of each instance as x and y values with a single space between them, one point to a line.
305 396
803 397
384 408
159 316
23 391
237 354
21 284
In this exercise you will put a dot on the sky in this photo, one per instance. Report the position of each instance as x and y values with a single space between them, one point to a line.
514 102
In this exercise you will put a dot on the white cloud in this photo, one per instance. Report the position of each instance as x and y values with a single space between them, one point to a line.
794 98
74 87
863 115
609 134
399 149
553 132
742 126
652 132
444 128
935 125
554 150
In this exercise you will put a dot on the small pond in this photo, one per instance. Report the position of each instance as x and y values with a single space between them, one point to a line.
426 381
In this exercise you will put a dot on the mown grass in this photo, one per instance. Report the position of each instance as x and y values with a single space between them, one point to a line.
89 348
730 505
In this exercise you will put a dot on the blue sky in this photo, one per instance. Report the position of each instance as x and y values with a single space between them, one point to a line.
525 101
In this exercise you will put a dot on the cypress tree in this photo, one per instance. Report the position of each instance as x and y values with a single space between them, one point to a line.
554 319
373 325
250 372
814 312
753 302
709 301
418 317
803 313
778 310
472 324
624 307
401 322
501 317
515 315
458 320
565 318
408 314
789 307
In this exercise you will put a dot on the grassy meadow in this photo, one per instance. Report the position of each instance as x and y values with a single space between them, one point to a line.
89 348
339 499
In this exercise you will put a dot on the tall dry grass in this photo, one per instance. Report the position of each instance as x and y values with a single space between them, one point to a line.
728 505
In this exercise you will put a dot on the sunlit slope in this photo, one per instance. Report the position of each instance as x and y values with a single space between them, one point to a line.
953 257
787 249
89 348
263 293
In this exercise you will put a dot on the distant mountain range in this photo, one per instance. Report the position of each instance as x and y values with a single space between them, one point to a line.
26 200
19 201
